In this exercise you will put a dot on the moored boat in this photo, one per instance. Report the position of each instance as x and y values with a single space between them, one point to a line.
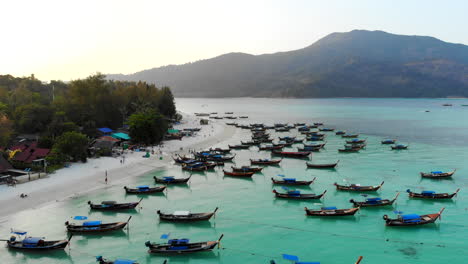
399 146
437 174
102 260
19 241
238 174
412 219
297 195
355 141
195 166
292 181
331 211
144 189
264 161
388 141
246 169
171 180
350 135
374 202
322 165
357 187
289 154
340 132
270 147
431 194
113 205
186 216
177 246
95 226
239 146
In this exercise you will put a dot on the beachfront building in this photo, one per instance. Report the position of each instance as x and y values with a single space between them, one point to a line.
26 153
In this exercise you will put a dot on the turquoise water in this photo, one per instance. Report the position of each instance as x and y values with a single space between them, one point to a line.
258 227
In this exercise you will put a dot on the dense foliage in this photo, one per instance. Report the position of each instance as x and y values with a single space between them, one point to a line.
147 127
55 109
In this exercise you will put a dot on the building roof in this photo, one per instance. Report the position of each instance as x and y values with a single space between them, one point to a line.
4 164
107 138
29 152
121 135
105 130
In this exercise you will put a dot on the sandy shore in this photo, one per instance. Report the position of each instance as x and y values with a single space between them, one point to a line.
83 178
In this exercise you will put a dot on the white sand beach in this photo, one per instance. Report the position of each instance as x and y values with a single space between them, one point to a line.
81 178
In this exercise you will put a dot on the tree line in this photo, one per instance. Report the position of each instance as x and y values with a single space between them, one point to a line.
66 114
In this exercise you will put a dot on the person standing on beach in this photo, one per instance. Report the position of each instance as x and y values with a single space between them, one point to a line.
106 177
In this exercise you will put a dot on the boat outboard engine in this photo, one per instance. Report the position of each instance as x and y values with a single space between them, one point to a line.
385 217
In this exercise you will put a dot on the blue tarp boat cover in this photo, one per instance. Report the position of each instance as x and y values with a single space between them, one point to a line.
32 240
105 130
143 187
92 223
329 208
290 257
436 172
428 192
295 192
124 261
376 199
179 241
168 178
290 179
410 217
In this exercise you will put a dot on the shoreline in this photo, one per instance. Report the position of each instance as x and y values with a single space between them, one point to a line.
88 177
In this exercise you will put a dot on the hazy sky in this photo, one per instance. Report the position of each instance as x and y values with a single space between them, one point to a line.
67 39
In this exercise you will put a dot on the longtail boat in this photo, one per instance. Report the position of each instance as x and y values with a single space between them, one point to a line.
143 189
292 181
102 260
400 146
340 132
297 195
250 143
412 219
238 146
221 150
325 129
186 216
270 147
331 211
316 145
171 180
238 174
374 202
388 141
437 174
19 241
312 149
299 154
350 135
355 141
351 148
196 166
177 246
246 169
357 187
432 194
314 138
113 205
264 161
95 226
322 166
287 138
298 140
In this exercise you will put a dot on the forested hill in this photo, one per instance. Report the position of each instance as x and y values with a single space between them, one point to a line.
353 64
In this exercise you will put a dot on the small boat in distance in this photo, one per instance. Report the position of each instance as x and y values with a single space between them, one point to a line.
374 202
297 195
292 181
178 246
322 165
298 154
340 132
265 161
431 194
102 260
144 189
437 174
246 169
399 146
388 141
350 135
239 146
331 211
238 174
186 216
412 219
19 241
171 180
358 187
113 205
95 226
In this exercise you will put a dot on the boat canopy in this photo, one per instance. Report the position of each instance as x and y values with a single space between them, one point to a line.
108 202
168 178
124 261
179 241
376 199
290 179
18 232
428 192
79 217
92 223
32 240
143 187
410 217
329 208
437 172
182 213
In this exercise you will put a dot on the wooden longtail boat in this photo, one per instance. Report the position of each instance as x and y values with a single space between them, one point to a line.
171 180
331 211
282 129
437 174
400 146
246 169
196 166
221 150
144 189
299 154
432 195
238 146
297 195
102 260
292 181
113 206
322 166
312 149
340 132
287 138
316 145
186 216
355 141
412 219
178 246
327 129
388 141
350 135
358 188
17 242
238 174
374 202
250 143
95 226
315 138
183 159
270 147
264 161
351 148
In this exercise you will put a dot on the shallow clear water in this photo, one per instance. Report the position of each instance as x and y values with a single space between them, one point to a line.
258 227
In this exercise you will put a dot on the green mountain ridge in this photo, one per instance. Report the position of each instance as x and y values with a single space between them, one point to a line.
359 63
